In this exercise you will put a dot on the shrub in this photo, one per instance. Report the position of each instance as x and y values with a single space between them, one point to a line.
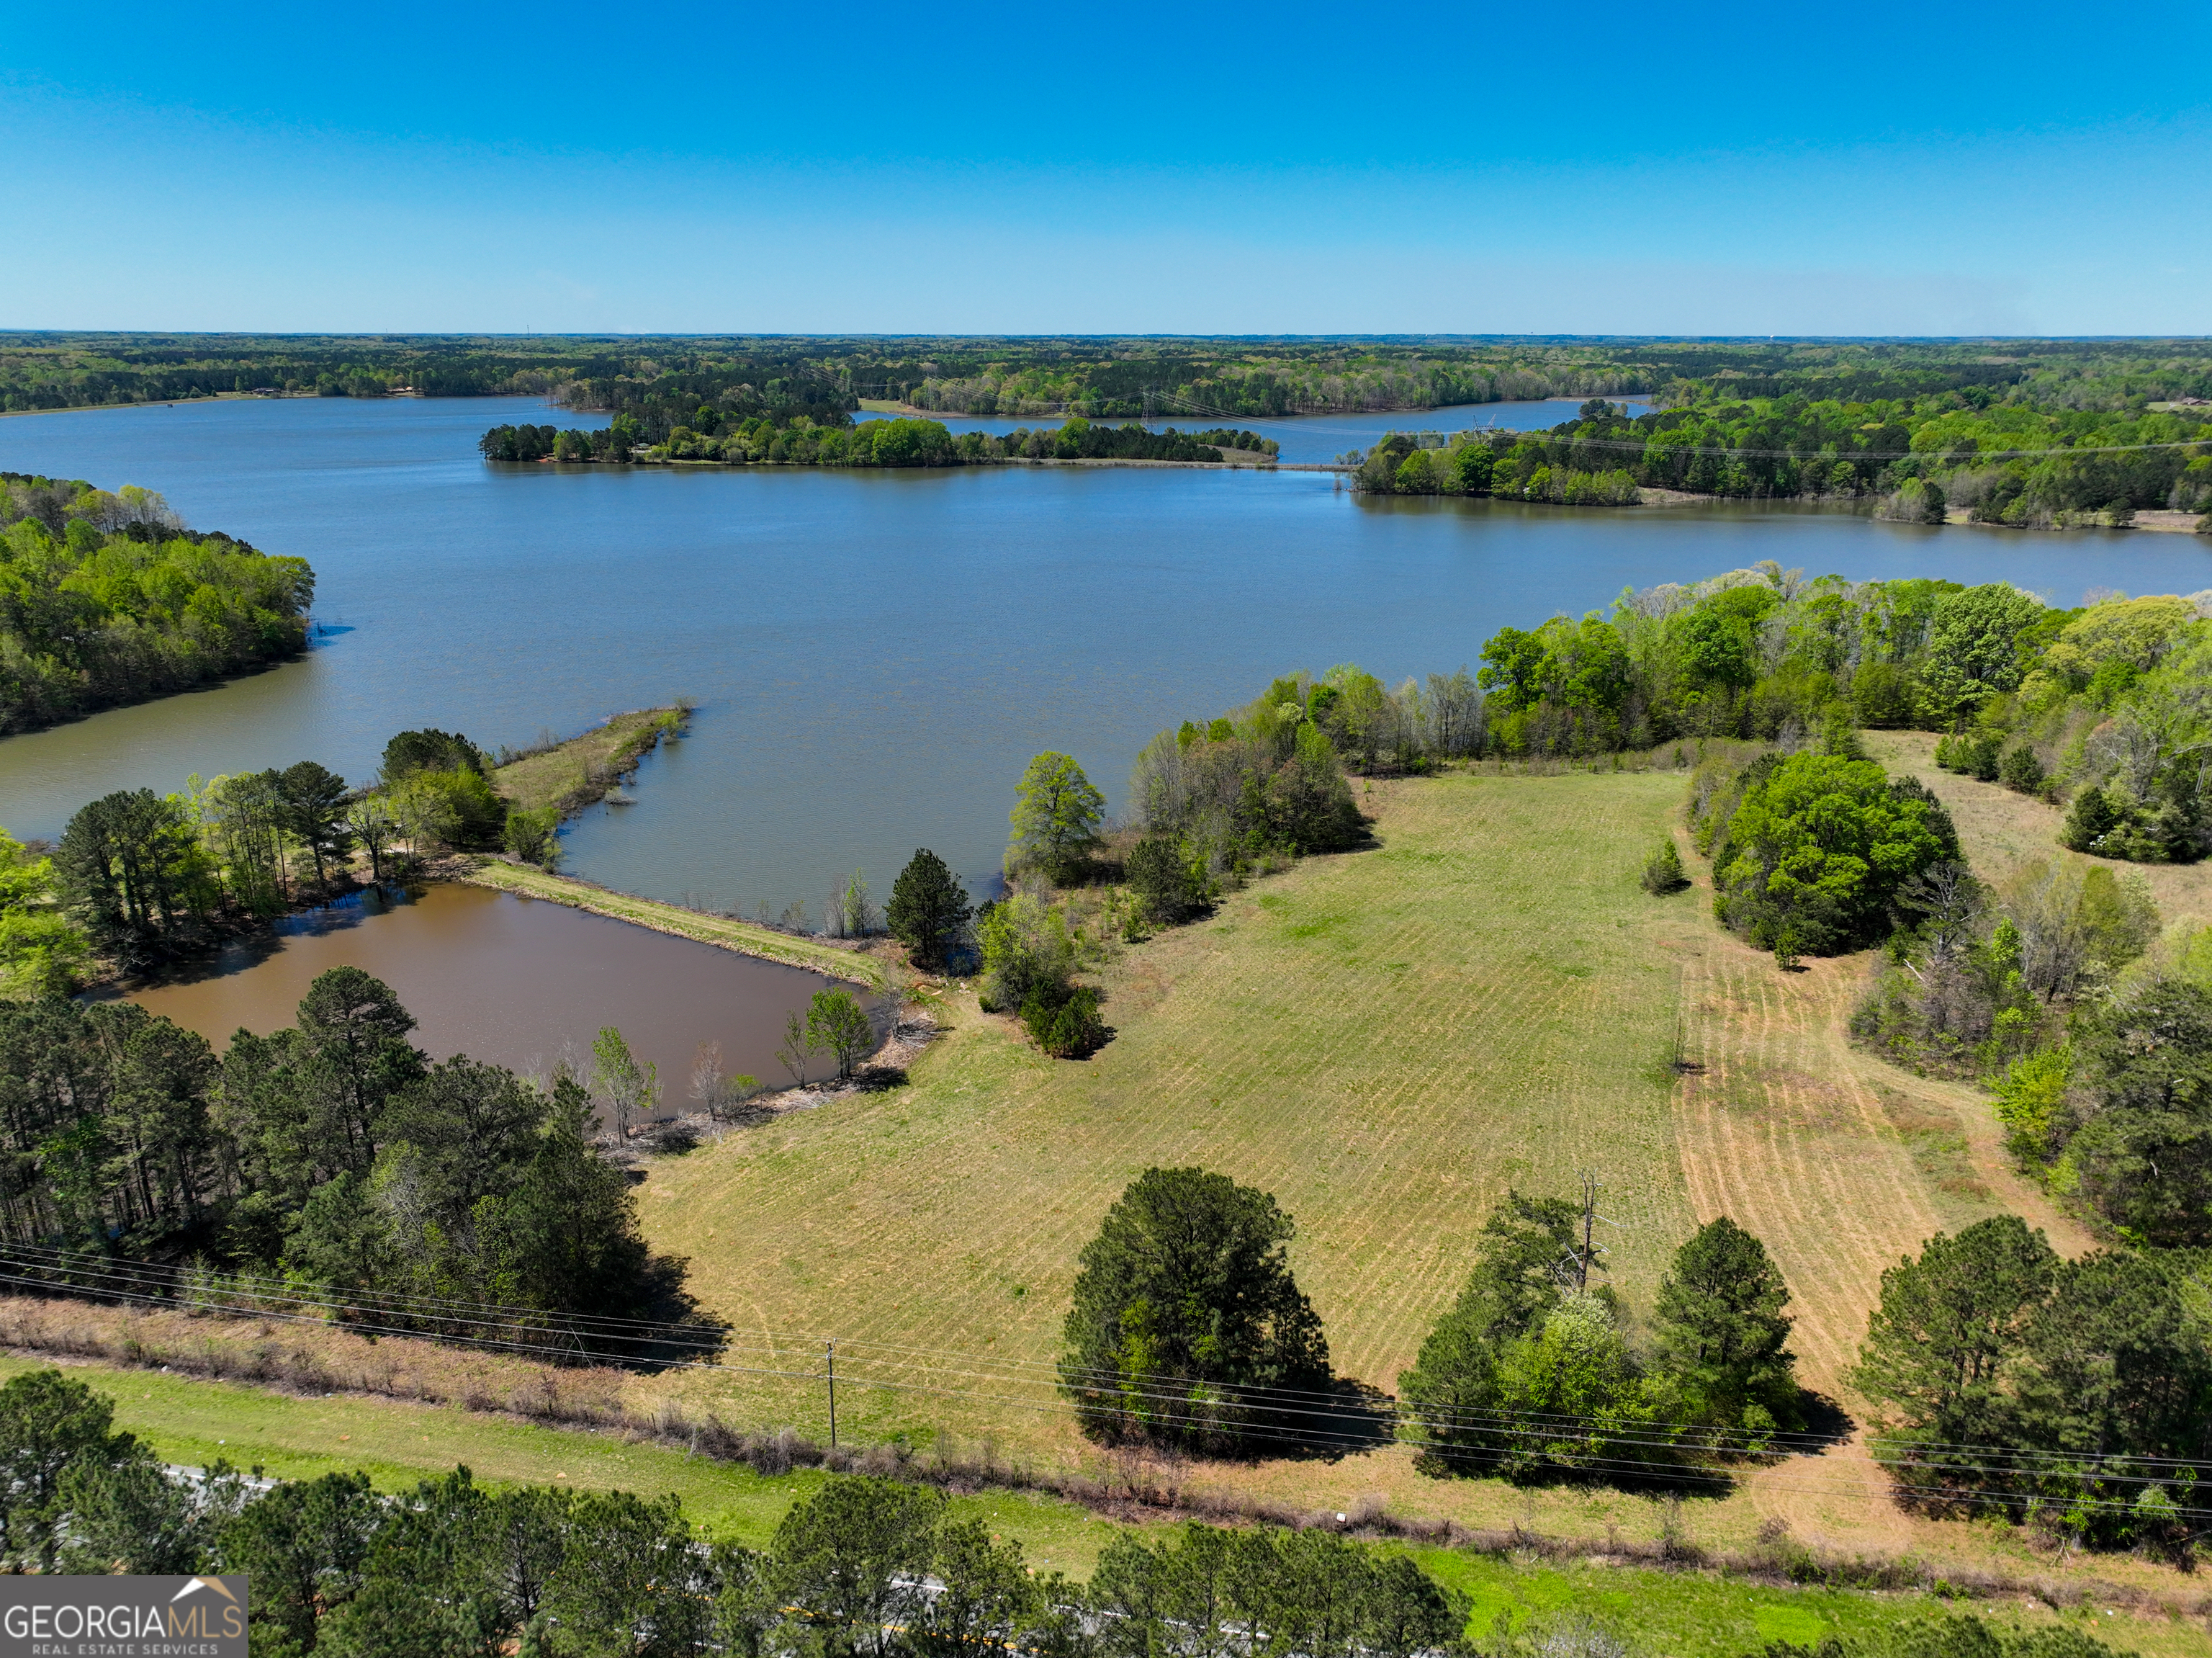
1064 1023
532 835
1161 879
1026 948
1973 753
2021 770
1662 870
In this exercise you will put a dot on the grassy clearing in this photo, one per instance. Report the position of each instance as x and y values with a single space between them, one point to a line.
193 1422
2002 830
1384 1039
570 775
726 931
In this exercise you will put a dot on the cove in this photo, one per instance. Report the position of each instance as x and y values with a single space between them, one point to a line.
515 981
875 654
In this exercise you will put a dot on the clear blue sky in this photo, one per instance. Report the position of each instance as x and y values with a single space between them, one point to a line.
1881 168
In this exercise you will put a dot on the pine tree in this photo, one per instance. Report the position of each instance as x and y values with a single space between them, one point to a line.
1722 1334
929 910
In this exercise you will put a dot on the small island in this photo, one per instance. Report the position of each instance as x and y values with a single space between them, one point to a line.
802 439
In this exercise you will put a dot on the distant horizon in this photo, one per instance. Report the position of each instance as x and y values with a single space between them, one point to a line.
1412 336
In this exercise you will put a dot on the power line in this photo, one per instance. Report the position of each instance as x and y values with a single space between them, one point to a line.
1177 1409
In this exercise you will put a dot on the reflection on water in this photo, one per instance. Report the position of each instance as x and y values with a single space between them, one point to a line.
518 982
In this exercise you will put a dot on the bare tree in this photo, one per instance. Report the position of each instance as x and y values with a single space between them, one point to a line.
2044 903
1950 903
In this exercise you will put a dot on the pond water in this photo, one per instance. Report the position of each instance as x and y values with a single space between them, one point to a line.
875 654
516 981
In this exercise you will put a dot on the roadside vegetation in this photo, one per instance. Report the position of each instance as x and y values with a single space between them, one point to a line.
344 1561
108 598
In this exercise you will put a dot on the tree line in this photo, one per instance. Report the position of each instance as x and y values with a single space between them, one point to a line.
862 1568
1098 377
330 1159
809 439
1186 1328
2074 1396
2016 463
137 877
2096 707
108 598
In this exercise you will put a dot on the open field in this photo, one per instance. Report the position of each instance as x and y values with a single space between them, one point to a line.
1383 1039
193 1422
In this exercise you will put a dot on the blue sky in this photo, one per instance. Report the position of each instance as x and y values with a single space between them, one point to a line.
864 167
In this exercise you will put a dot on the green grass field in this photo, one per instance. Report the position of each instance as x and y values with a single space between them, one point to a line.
563 774
1384 1039
194 1422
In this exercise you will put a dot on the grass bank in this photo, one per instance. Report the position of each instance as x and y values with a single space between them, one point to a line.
570 775
192 1422
725 931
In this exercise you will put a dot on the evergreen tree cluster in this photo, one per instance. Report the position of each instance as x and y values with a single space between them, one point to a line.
331 1155
861 1568
108 598
1532 1373
2076 1394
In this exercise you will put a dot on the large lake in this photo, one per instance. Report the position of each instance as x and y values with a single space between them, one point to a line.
875 656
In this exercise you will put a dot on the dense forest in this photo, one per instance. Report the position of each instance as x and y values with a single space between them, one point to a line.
659 380
2006 462
737 439
107 599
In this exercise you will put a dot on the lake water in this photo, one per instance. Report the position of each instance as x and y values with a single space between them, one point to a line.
518 982
1323 437
875 656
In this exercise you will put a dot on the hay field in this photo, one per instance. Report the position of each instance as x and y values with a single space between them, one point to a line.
1384 1039
2002 830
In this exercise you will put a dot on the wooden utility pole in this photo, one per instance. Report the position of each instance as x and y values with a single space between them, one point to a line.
833 1395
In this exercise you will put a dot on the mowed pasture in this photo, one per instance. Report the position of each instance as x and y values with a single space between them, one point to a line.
1385 1039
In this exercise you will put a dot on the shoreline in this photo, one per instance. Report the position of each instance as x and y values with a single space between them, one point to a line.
724 932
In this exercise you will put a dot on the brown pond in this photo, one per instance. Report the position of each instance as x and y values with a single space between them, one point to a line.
517 981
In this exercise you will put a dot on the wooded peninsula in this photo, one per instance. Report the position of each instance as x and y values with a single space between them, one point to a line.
108 598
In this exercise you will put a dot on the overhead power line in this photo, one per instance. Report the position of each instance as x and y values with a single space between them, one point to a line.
1165 1399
